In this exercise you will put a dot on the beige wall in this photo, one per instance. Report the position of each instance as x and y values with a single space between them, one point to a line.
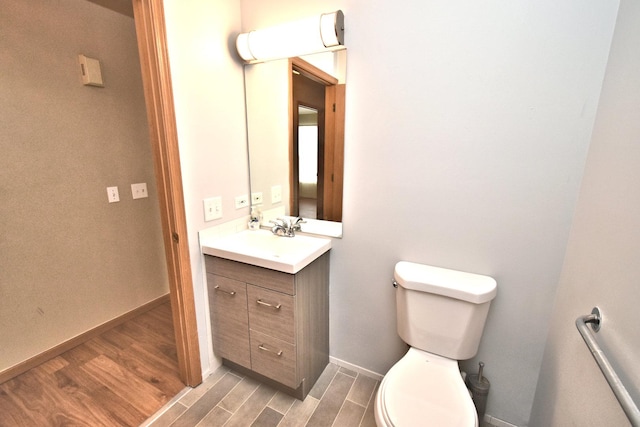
602 263
69 260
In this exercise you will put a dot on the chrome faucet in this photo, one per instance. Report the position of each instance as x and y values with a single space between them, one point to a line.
286 228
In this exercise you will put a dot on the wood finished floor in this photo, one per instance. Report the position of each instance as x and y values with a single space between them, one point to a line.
307 208
120 378
128 374
340 398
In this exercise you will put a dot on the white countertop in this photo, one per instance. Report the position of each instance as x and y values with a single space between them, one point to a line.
264 249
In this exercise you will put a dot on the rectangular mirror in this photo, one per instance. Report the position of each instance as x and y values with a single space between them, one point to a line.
295 130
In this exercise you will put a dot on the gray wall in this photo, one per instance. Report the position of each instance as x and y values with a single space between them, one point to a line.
69 260
467 130
601 267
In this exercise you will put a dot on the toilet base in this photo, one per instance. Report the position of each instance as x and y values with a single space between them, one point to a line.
424 389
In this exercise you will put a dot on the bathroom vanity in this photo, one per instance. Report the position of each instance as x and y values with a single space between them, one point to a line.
269 324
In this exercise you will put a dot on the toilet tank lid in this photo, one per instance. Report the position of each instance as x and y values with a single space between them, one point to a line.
474 288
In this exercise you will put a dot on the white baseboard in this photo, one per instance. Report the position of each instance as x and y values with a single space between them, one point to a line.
356 368
496 422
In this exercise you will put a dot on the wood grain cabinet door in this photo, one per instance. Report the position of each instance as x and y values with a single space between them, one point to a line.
229 319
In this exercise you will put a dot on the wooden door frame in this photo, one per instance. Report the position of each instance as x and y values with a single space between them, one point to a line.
158 92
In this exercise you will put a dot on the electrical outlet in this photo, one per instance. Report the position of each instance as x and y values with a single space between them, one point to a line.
242 201
256 198
212 208
276 194
139 191
113 195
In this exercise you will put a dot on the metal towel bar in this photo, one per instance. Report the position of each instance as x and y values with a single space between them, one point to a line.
628 405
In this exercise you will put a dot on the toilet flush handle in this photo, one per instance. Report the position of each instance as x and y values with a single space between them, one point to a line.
395 284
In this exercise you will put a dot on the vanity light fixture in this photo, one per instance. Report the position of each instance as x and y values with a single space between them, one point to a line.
320 33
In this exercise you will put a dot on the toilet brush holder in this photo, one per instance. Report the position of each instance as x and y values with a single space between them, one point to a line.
479 386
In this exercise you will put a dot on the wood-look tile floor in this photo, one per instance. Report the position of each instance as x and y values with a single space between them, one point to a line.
120 378
340 398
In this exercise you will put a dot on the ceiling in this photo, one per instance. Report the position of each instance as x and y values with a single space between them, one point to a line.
124 7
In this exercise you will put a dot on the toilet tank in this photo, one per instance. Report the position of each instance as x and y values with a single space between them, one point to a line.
442 311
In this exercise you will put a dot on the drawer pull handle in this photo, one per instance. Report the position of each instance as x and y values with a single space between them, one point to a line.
277 307
217 288
262 347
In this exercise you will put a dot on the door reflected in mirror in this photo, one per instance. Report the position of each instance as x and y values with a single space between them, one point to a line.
295 128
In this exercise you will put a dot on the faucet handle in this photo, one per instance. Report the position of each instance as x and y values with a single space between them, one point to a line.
285 227
296 223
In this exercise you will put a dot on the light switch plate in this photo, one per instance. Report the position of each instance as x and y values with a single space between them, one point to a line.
139 191
276 194
256 198
212 208
113 195
242 201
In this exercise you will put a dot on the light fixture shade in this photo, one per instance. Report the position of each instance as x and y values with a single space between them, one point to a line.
310 35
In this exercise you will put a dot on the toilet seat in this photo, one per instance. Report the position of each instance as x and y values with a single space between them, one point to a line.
424 389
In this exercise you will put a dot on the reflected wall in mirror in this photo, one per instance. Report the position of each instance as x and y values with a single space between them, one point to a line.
278 136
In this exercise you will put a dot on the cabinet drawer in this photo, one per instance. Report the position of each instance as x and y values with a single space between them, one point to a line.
274 359
229 319
271 313
263 277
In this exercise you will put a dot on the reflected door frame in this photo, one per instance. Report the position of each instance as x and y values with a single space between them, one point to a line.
309 94
330 170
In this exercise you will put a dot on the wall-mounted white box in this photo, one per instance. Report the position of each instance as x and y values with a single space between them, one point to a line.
91 73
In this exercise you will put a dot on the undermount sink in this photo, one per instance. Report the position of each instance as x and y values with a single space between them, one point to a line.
264 249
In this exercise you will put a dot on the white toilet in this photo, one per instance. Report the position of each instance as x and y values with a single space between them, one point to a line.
441 315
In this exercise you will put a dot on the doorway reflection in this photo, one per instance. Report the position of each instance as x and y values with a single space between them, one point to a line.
308 161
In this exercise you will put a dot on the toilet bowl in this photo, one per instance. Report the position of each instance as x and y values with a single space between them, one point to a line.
424 389
441 315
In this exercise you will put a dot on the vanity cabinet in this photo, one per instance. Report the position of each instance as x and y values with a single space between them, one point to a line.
271 325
